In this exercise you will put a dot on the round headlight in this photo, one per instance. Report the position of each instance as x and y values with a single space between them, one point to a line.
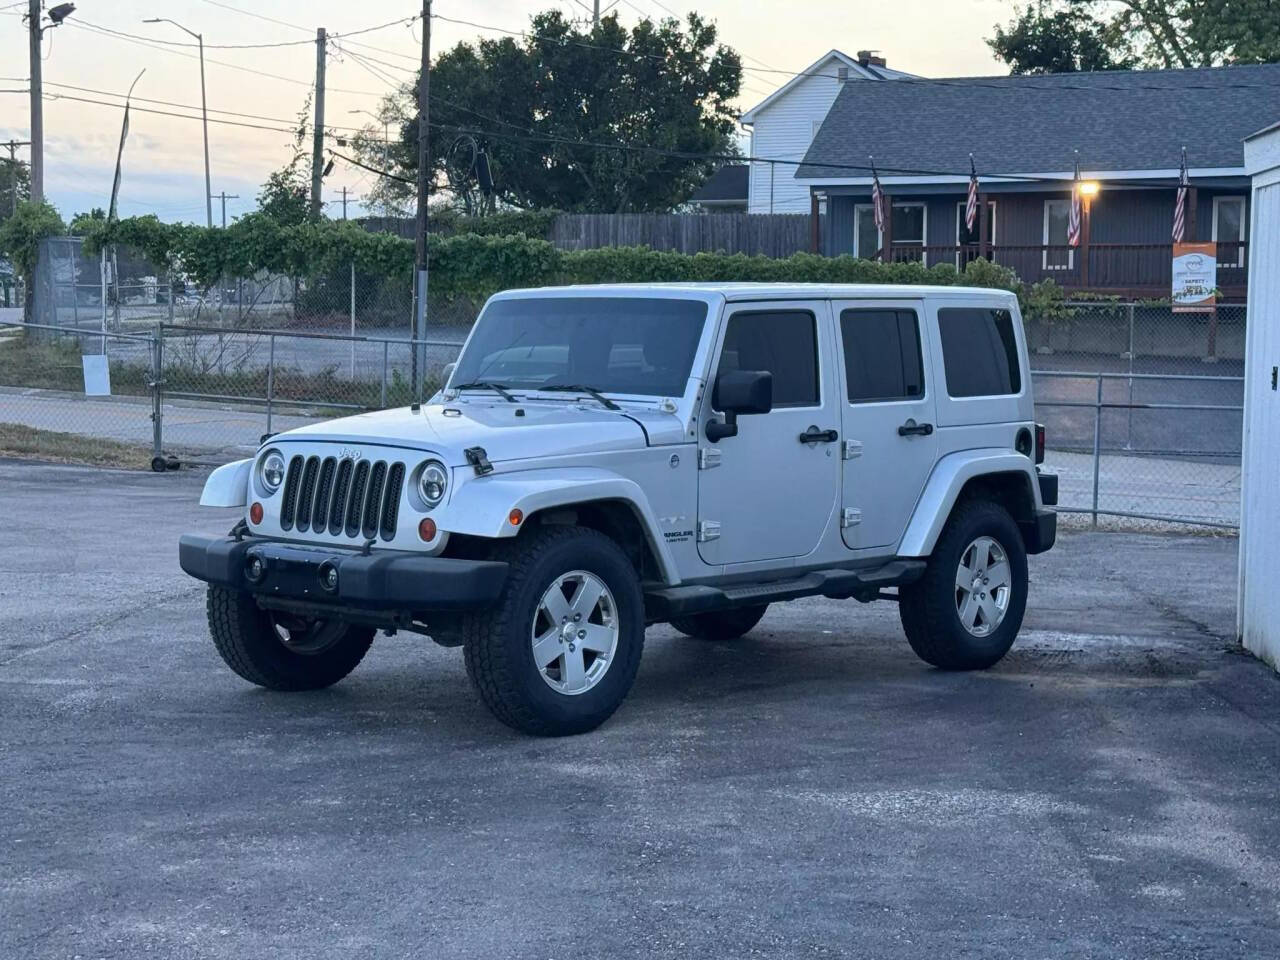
271 471
433 480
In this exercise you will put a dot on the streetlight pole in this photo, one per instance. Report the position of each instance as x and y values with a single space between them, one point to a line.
204 113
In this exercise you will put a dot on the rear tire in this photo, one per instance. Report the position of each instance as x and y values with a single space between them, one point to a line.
317 655
978 572
558 652
722 624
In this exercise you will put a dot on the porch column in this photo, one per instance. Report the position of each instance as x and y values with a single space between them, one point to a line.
1086 215
886 240
982 225
815 233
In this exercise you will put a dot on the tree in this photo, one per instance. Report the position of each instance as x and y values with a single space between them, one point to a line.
1053 35
551 110
285 197
1044 40
13 175
20 238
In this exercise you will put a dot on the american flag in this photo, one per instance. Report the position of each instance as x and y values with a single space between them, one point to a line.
1073 221
1180 205
877 199
971 206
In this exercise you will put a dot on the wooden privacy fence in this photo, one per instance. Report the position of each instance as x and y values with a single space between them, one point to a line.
772 235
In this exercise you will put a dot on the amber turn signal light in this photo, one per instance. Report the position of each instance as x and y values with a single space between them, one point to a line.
516 517
255 513
427 529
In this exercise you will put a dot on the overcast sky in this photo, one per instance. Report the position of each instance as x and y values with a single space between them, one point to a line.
163 171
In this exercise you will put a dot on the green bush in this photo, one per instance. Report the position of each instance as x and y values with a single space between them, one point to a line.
474 264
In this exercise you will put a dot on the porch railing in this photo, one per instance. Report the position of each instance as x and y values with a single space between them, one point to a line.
1136 269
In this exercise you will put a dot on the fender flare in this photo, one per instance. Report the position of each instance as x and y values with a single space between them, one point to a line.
227 486
948 478
481 506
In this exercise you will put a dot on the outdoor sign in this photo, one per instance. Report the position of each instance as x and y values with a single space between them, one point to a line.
1195 276
97 375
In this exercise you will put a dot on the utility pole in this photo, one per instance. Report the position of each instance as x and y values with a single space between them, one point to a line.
317 138
13 172
37 104
596 15
344 203
224 197
420 231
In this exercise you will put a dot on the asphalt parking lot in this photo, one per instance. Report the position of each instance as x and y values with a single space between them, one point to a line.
1110 789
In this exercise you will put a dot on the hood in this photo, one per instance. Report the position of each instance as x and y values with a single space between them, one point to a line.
507 431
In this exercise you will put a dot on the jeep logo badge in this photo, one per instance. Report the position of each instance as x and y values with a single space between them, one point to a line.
349 453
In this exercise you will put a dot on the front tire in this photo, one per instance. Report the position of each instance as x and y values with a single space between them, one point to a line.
722 624
965 612
279 652
559 651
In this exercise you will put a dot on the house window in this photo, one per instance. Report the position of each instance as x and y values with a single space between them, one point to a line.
1057 214
1228 227
969 238
909 230
866 238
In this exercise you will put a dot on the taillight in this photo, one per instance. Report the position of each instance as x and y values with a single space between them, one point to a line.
1039 443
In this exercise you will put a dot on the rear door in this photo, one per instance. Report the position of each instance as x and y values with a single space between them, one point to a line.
887 417
766 494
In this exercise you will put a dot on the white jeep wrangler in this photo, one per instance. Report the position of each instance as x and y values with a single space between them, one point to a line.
604 458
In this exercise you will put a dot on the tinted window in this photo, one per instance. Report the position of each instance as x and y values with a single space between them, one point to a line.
979 352
785 343
625 345
882 355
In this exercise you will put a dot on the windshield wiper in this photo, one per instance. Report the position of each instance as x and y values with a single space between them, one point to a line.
579 388
497 388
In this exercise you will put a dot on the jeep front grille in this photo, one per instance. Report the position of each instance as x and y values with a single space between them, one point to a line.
355 498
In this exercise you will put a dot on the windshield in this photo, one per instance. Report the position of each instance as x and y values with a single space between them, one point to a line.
626 345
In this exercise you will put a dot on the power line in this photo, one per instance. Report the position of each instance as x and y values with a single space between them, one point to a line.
221 63
308 30
239 46
184 106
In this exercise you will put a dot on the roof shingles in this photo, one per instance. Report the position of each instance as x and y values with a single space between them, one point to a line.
1119 120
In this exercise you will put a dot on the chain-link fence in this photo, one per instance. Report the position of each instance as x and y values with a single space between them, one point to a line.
203 394
121 291
1143 420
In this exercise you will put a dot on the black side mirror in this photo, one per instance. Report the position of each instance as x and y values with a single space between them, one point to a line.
739 392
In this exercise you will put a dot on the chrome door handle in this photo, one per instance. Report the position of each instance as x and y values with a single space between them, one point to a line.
913 429
814 435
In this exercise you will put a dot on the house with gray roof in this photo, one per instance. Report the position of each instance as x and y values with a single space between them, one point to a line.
1025 134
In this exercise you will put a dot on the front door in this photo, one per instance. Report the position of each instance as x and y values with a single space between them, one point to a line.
766 494
887 420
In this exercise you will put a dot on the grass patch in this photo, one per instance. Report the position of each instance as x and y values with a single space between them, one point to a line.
26 361
17 440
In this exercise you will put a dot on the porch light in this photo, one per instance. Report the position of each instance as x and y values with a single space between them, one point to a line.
1089 188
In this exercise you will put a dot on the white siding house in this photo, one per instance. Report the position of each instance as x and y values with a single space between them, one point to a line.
783 125
1258 610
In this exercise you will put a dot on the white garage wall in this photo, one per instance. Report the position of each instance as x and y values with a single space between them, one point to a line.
1258 611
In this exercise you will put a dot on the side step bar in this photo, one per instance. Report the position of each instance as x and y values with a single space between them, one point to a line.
664 603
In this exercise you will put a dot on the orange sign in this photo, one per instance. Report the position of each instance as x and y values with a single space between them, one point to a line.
1195 276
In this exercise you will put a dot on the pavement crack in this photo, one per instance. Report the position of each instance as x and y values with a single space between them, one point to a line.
147 602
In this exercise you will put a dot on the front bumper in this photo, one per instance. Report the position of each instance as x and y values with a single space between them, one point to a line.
382 581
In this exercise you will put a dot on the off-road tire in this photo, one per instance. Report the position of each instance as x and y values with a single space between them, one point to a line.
245 638
722 624
928 607
497 644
